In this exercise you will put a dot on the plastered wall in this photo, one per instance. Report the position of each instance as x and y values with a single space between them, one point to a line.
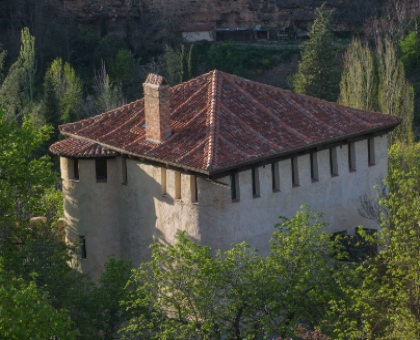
124 219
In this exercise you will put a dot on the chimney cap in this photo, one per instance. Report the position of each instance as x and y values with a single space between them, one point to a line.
155 79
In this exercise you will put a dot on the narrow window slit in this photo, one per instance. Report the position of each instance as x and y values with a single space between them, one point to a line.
163 181
177 185
333 162
194 189
295 172
314 167
234 186
371 151
352 157
82 247
275 176
255 183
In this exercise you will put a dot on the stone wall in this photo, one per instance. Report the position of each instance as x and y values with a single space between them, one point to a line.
124 219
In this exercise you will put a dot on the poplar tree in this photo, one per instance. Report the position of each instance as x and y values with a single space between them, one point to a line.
68 90
318 73
378 85
395 93
17 90
359 81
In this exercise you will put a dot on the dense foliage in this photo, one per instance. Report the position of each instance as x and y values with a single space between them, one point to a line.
318 73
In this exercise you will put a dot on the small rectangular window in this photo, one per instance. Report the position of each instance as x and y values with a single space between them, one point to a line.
124 170
82 247
194 191
177 184
75 168
295 172
101 170
255 183
275 176
371 151
234 186
314 167
352 157
333 162
163 181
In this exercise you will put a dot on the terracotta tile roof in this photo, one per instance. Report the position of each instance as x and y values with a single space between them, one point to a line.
220 121
71 147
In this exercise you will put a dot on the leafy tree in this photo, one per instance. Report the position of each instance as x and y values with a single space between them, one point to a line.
17 90
226 57
359 79
377 82
386 305
192 62
108 47
25 312
23 180
51 108
108 314
318 73
68 90
123 70
107 95
395 93
409 50
184 292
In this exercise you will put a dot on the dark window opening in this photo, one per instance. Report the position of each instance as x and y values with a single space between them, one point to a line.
82 246
101 170
371 151
333 162
124 170
352 157
75 168
275 176
314 167
255 183
234 186
295 172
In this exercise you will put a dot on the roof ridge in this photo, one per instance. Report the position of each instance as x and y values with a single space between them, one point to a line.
211 121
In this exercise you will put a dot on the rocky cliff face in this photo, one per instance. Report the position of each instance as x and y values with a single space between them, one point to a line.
224 13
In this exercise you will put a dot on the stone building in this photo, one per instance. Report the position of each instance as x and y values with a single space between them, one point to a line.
218 156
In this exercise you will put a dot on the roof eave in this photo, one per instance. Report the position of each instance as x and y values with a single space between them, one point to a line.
221 172
301 150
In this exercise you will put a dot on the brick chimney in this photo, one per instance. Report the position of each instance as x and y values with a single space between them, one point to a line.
157 108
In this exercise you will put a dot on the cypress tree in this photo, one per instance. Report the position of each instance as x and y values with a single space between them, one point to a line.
51 107
318 73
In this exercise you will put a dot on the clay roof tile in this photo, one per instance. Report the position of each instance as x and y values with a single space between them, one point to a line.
220 121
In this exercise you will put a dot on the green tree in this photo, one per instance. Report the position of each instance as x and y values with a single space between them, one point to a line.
107 95
23 180
184 292
318 73
359 79
17 90
377 82
386 304
68 89
25 312
51 108
395 93
409 51
123 70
